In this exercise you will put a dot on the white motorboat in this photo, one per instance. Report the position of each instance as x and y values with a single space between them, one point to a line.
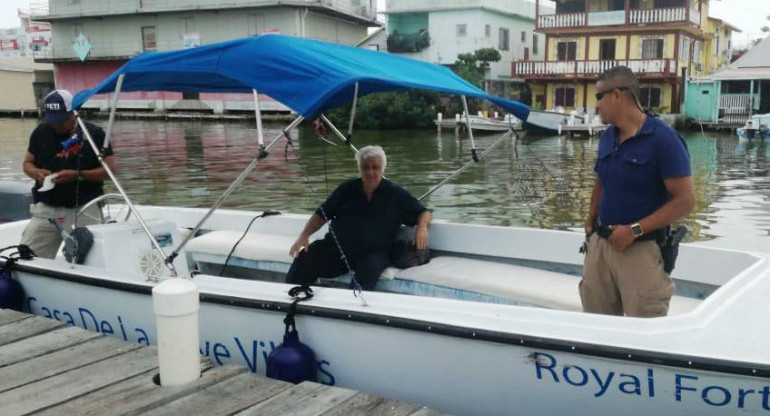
490 326
548 121
757 127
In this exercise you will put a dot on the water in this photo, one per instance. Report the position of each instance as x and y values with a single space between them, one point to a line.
538 182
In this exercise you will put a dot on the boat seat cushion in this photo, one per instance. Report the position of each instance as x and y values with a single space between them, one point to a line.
259 251
530 285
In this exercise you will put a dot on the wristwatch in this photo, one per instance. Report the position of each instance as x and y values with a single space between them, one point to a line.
636 230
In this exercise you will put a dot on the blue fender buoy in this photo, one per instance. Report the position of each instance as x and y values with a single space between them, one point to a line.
11 294
292 361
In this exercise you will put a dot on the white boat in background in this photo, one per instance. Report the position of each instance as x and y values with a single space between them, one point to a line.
547 121
492 325
757 127
480 123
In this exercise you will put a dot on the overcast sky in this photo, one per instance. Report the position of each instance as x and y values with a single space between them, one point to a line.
748 15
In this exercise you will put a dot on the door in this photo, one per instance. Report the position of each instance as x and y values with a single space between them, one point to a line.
607 49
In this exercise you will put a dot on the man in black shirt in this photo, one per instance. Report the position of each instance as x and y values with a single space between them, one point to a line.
365 215
58 149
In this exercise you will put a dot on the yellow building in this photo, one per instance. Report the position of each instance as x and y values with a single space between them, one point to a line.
663 41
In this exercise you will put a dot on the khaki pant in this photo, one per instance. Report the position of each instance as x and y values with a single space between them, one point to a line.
632 282
43 237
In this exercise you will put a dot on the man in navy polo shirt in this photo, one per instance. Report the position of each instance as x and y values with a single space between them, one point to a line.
365 215
643 184
67 174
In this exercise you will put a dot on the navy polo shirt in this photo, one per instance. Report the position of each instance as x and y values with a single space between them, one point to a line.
362 225
632 172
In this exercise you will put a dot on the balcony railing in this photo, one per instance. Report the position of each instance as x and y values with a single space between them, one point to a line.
613 18
542 69
676 14
561 20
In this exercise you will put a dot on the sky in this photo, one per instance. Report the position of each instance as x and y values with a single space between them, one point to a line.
747 15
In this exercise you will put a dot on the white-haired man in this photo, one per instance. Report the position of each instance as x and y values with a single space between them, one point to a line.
365 215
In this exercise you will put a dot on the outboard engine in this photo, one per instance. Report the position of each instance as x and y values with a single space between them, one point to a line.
15 199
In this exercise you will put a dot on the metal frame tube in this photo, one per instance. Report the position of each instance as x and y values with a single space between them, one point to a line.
466 166
113 110
338 132
470 130
258 114
353 112
232 187
114 179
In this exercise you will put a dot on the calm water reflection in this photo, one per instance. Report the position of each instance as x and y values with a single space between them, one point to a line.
537 182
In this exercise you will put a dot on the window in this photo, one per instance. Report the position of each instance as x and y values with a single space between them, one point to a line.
148 39
684 49
505 39
523 37
488 31
535 48
652 48
566 51
649 97
462 30
565 97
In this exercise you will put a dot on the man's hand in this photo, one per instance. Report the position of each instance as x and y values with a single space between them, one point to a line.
588 227
621 237
40 175
65 176
302 243
421 238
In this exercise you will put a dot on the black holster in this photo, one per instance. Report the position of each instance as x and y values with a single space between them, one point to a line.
669 246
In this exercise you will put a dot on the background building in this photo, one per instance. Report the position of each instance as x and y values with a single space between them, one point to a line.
92 38
663 41
438 31
24 83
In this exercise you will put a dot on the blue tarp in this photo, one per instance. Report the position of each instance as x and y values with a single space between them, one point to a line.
308 76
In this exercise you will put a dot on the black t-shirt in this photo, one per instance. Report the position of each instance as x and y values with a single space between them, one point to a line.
46 145
363 225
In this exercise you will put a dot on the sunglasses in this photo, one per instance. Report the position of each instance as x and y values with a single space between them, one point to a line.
600 95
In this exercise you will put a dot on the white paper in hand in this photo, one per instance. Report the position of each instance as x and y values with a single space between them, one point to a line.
47 183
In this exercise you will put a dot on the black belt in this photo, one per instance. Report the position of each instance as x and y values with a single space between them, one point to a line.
605 231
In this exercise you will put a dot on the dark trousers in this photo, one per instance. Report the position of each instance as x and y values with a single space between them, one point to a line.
323 260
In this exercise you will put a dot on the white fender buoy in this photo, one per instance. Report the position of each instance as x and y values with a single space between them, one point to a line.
175 302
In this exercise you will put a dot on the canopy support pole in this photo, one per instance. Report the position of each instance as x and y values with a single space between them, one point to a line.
338 132
467 165
235 184
260 136
113 110
470 130
114 179
352 115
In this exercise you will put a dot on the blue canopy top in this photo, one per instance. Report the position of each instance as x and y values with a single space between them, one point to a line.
308 76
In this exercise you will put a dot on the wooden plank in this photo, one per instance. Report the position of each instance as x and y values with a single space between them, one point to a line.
9 315
44 344
226 398
306 399
72 384
138 395
26 328
363 404
61 361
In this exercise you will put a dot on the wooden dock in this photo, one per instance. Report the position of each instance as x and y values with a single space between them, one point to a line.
50 368
582 129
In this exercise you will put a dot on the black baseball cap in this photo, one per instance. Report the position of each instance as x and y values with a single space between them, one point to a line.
58 106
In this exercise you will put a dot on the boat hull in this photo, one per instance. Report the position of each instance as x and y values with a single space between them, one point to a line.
454 368
746 134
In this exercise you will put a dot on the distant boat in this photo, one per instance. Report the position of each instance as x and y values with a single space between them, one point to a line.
756 127
481 124
547 121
